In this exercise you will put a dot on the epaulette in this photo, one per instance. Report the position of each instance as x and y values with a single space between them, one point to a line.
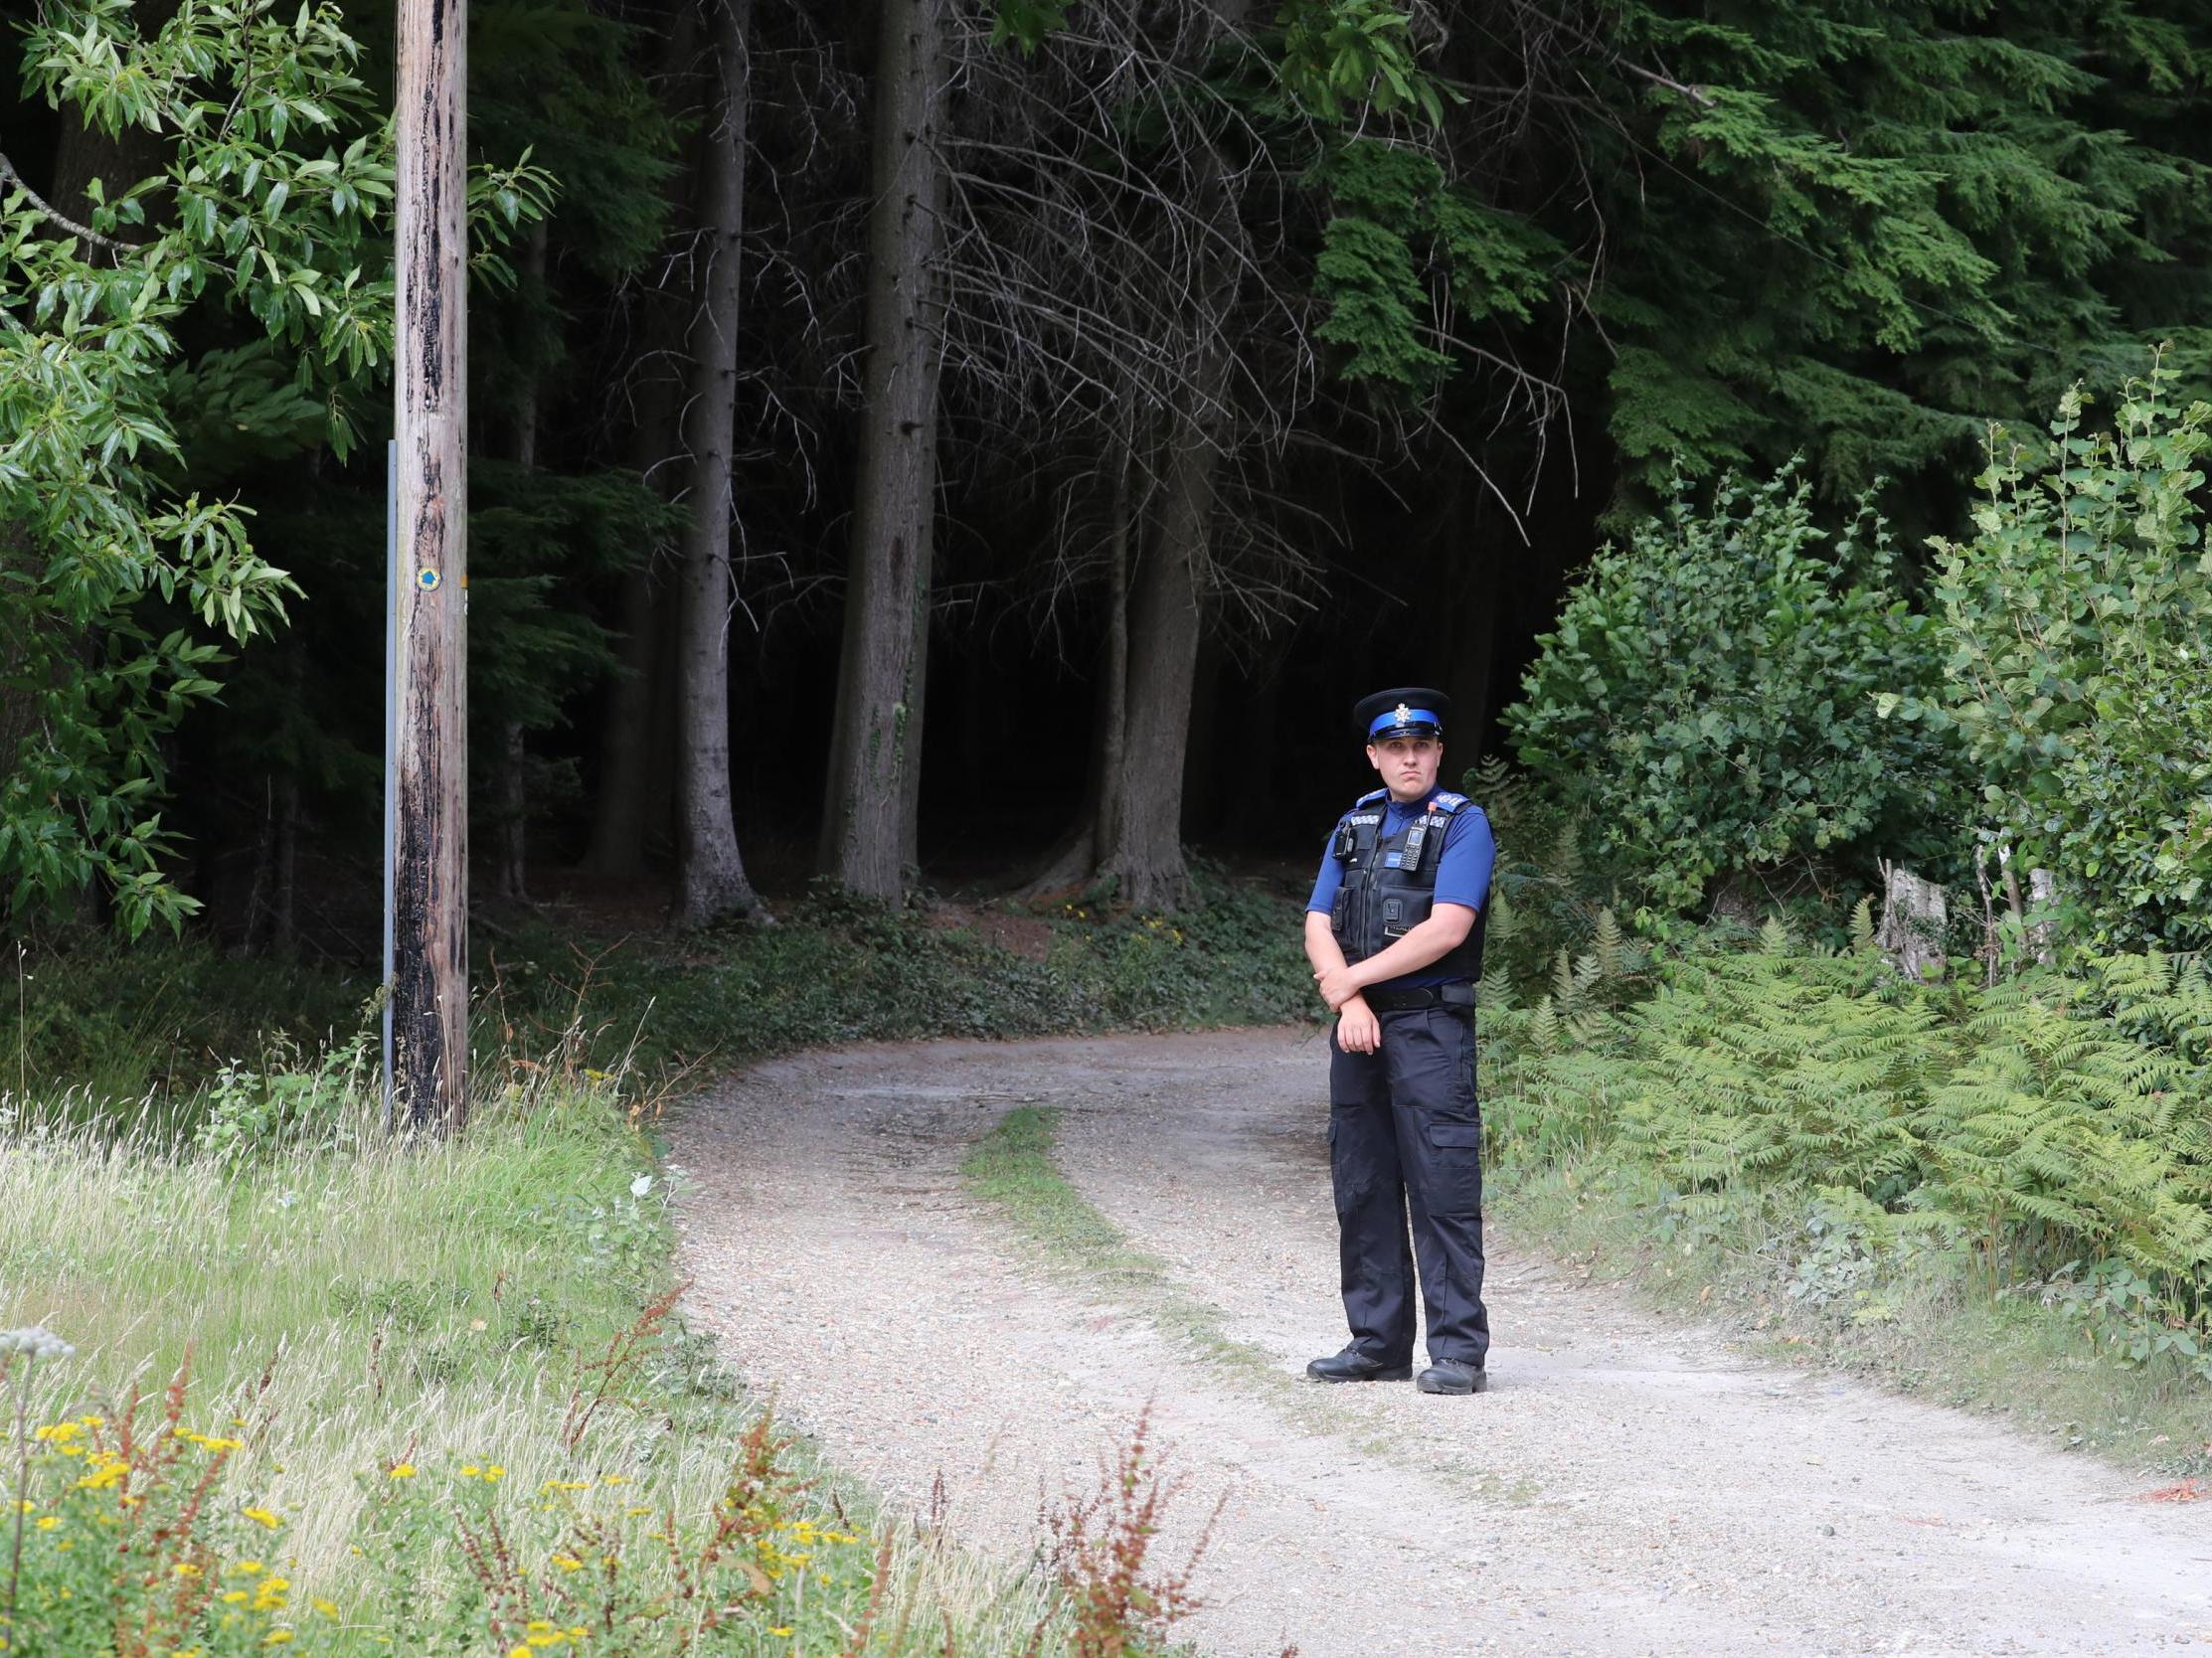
1369 799
1447 804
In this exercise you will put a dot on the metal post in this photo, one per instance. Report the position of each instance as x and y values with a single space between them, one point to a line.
430 972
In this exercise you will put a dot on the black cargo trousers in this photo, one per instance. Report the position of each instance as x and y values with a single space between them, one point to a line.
1406 1132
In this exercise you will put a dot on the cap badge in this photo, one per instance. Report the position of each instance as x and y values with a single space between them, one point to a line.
1405 713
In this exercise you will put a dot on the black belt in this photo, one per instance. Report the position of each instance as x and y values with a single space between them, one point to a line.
1428 996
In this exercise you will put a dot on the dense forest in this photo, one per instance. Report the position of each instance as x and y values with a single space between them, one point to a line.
992 442
940 474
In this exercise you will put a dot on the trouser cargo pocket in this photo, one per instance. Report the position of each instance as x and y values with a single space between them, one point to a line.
1455 1183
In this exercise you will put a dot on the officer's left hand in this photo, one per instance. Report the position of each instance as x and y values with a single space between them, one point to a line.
1337 985
1358 1031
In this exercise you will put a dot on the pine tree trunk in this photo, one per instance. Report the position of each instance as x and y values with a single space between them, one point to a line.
1145 856
712 882
619 812
510 843
632 797
1258 761
1074 857
283 907
870 805
1114 751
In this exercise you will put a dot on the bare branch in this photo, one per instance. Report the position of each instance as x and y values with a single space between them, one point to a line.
8 175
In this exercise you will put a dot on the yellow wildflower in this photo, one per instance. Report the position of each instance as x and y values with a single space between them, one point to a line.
47 1522
185 1569
519 1652
246 1569
231 1598
276 1637
328 1609
781 1629
495 1472
57 1434
261 1517
568 1562
401 1470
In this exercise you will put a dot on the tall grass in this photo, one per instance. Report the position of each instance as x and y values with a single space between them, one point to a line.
343 1309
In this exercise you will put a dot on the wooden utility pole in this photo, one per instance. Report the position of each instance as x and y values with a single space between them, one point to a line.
428 885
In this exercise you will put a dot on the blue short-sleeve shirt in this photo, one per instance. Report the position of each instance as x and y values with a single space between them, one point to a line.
1462 872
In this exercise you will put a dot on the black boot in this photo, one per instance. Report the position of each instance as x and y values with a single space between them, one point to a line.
1454 1376
1353 1365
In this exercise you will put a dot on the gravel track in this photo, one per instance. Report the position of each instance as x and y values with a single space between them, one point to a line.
1628 1486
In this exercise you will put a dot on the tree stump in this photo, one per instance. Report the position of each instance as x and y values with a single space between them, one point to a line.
2042 898
1915 915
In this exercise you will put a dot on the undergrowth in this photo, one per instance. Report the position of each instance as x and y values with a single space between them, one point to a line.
1854 1153
178 1027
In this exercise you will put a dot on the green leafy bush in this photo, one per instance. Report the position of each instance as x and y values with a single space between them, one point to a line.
2077 624
295 1103
1707 700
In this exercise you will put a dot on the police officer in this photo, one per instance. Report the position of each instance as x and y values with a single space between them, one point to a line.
1393 930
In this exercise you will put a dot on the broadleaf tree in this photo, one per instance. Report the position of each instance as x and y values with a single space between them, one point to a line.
126 590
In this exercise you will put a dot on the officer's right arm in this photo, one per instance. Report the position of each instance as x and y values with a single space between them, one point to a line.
1320 940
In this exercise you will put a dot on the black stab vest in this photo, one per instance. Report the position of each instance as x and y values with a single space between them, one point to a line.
1390 885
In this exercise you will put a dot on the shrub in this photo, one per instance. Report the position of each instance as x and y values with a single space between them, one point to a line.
2077 624
1707 700
295 1103
2022 1130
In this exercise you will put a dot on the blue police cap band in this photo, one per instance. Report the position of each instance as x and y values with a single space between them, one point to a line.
1402 716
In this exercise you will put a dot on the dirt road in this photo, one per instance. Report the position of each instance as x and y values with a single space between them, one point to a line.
1627 1487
